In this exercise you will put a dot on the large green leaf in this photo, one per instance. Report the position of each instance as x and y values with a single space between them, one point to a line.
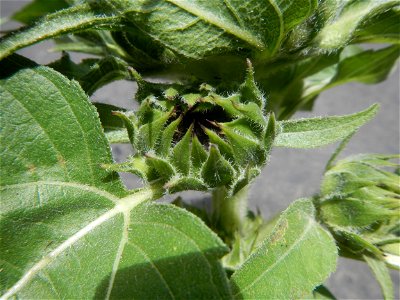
69 228
316 132
194 29
298 256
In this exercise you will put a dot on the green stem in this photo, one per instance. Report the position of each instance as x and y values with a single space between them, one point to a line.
229 212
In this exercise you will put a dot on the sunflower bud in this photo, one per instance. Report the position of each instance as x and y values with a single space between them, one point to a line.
360 203
198 139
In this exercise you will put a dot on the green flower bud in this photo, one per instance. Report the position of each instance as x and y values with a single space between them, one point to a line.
361 202
199 139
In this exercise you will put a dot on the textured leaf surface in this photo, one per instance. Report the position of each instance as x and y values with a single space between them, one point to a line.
349 18
316 132
195 28
68 227
298 256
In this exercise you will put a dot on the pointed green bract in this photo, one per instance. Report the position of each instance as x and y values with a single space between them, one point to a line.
199 155
297 243
245 150
181 153
249 90
166 137
223 146
185 184
162 167
217 171
150 132
129 125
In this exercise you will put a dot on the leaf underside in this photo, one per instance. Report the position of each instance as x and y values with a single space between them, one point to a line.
66 232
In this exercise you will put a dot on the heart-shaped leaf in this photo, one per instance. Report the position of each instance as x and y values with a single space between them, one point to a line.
298 256
69 228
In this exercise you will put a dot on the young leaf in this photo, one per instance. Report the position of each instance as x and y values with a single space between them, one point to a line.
382 275
316 132
382 28
106 70
353 13
298 244
367 67
64 223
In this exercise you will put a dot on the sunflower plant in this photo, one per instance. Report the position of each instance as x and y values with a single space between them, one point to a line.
233 74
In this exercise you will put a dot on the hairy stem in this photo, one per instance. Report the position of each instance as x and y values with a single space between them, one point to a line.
229 212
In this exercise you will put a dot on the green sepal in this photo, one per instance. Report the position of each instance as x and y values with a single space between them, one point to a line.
242 181
181 153
217 171
353 212
150 132
244 127
228 104
223 146
129 125
199 154
190 99
252 112
245 149
249 90
170 93
162 167
185 184
164 146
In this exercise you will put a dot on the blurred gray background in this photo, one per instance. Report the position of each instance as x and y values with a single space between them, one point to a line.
292 173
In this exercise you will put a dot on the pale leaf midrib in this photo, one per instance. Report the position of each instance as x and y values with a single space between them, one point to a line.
284 255
126 205
138 248
118 256
77 185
